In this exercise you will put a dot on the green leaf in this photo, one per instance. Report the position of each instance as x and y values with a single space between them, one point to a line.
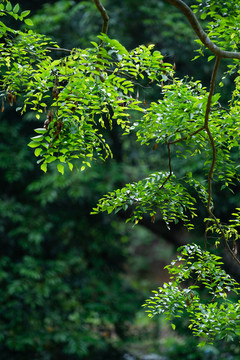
37 138
60 168
40 130
9 6
37 152
28 22
25 13
50 159
44 167
211 57
33 144
16 8
62 159
203 16
70 165
202 343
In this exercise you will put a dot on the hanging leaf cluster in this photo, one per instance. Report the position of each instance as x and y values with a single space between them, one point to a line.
155 193
78 96
212 315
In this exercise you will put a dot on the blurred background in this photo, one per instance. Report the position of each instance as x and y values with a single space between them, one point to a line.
72 284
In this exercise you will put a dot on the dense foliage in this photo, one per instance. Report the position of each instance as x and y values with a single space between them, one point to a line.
78 99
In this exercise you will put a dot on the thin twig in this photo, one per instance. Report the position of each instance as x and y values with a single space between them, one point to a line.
58 49
187 136
223 108
169 166
105 18
200 33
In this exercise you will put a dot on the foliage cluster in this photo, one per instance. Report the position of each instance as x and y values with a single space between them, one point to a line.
212 315
87 89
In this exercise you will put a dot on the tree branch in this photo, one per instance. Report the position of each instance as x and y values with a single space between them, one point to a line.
104 15
58 49
200 33
208 107
187 136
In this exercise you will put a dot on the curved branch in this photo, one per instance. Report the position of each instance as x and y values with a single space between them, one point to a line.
206 126
200 33
104 14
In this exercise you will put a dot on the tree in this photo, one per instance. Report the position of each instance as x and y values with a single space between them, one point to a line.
89 92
